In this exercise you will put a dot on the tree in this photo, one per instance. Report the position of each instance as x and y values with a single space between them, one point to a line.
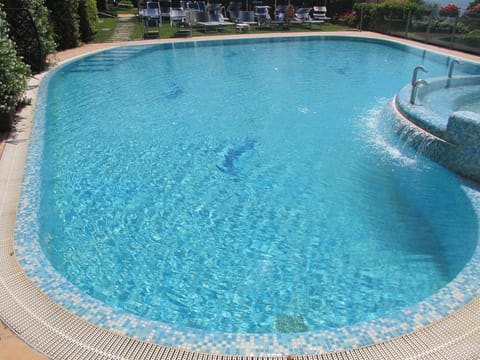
87 11
66 22
31 31
13 76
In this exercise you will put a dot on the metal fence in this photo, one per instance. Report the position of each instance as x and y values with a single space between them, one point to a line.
459 33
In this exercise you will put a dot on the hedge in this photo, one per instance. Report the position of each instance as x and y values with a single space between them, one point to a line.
87 11
65 22
34 49
13 75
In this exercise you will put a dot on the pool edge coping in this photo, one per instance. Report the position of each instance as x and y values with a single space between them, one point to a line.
54 323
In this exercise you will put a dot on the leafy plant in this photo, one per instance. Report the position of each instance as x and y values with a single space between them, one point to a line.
33 50
450 10
65 22
349 19
41 18
87 11
13 72
474 9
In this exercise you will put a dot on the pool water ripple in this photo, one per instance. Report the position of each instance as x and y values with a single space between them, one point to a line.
249 212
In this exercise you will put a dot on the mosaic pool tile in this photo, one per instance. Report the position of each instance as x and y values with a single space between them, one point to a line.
452 297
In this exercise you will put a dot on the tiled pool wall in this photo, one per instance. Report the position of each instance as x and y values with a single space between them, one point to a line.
452 297
452 142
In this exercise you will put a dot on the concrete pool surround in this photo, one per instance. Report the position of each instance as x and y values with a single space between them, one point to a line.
447 325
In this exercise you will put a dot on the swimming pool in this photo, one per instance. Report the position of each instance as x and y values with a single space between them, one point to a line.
232 155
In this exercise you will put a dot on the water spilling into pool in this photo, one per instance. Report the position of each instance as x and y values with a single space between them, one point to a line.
249 187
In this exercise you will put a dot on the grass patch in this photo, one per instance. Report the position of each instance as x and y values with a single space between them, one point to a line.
107 26
129 11
137 33
105 29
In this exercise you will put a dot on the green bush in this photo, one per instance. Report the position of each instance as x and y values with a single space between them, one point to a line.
87 11
34 51
41 18
369 13
66 22
13 74
102 5
395 9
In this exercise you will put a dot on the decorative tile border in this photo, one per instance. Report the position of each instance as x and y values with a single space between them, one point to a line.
452 297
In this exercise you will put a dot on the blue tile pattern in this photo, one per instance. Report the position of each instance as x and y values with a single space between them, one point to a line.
452 297
455 142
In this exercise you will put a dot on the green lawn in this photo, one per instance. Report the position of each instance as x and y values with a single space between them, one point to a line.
107 26
105 29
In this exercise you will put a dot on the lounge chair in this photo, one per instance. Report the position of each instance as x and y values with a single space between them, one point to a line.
152 19
201 6
233 10
178 19
254 4
280 12
262 15
177 16
151 10
165 6
302 16
320 13
209 22
246 18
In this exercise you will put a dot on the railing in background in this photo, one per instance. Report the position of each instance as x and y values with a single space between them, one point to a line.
455 32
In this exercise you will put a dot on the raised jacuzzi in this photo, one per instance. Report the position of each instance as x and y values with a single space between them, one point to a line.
452 140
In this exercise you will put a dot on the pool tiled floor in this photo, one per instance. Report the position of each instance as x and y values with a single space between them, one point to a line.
458 335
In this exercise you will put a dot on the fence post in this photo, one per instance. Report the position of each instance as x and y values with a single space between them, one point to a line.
360 25
409 17
429 25
389 27
454 30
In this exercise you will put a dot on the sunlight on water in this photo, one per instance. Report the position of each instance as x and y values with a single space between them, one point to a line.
253 206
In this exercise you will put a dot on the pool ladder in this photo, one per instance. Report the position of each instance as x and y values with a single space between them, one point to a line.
452 64
416 83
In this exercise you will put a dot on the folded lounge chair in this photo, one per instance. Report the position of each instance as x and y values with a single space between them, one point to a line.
280 12
245 19
302 16
209 22
262 15
233 10
320 13
177 16
152 19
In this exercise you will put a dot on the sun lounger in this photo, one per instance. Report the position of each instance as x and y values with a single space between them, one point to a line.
302 16
262 15
246 18
320 13
213 22
152 19
233 10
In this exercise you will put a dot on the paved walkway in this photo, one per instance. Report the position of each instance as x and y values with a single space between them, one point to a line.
11 347
124 28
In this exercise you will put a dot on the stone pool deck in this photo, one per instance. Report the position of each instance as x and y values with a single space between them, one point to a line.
33 319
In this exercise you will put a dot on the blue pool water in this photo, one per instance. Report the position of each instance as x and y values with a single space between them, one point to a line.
252 187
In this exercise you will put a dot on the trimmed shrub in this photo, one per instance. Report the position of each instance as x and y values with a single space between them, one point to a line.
87 11
65 22
41 18
34 50
396 8
13 76
101 5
